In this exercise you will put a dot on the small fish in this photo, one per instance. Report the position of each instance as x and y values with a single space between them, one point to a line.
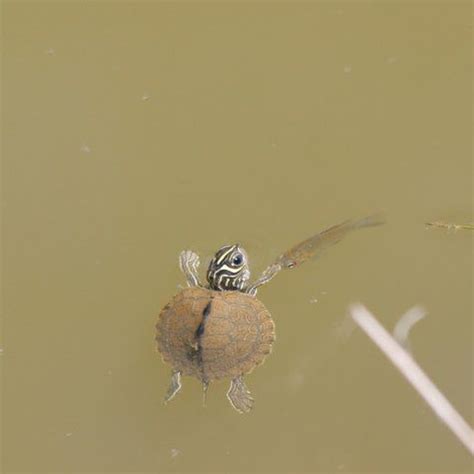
449 226
315 245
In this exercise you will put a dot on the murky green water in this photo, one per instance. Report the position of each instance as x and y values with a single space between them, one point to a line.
132 131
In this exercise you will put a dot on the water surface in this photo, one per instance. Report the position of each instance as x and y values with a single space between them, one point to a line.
133 131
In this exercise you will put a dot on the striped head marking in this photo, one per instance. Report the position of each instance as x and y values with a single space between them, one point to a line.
229 269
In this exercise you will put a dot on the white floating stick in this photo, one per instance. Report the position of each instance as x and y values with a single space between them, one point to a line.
414 374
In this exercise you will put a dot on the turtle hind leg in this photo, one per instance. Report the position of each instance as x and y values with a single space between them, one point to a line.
239 395
175 386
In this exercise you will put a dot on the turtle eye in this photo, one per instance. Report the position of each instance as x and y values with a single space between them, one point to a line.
238 259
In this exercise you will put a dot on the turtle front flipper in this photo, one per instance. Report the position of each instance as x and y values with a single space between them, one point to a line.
189 263
175 386
266 276
239 395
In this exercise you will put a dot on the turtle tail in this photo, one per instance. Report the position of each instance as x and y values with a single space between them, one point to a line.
205 386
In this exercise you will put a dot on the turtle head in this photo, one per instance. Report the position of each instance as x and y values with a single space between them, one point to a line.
229 269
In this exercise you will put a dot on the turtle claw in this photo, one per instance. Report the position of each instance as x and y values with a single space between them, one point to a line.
239 396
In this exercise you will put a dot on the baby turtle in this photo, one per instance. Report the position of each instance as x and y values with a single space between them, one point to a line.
221 330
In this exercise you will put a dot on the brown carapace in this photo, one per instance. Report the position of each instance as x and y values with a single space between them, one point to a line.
215 334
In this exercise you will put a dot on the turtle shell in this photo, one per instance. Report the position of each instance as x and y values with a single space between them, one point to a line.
214 334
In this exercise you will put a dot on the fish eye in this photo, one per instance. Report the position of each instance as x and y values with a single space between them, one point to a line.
238 259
